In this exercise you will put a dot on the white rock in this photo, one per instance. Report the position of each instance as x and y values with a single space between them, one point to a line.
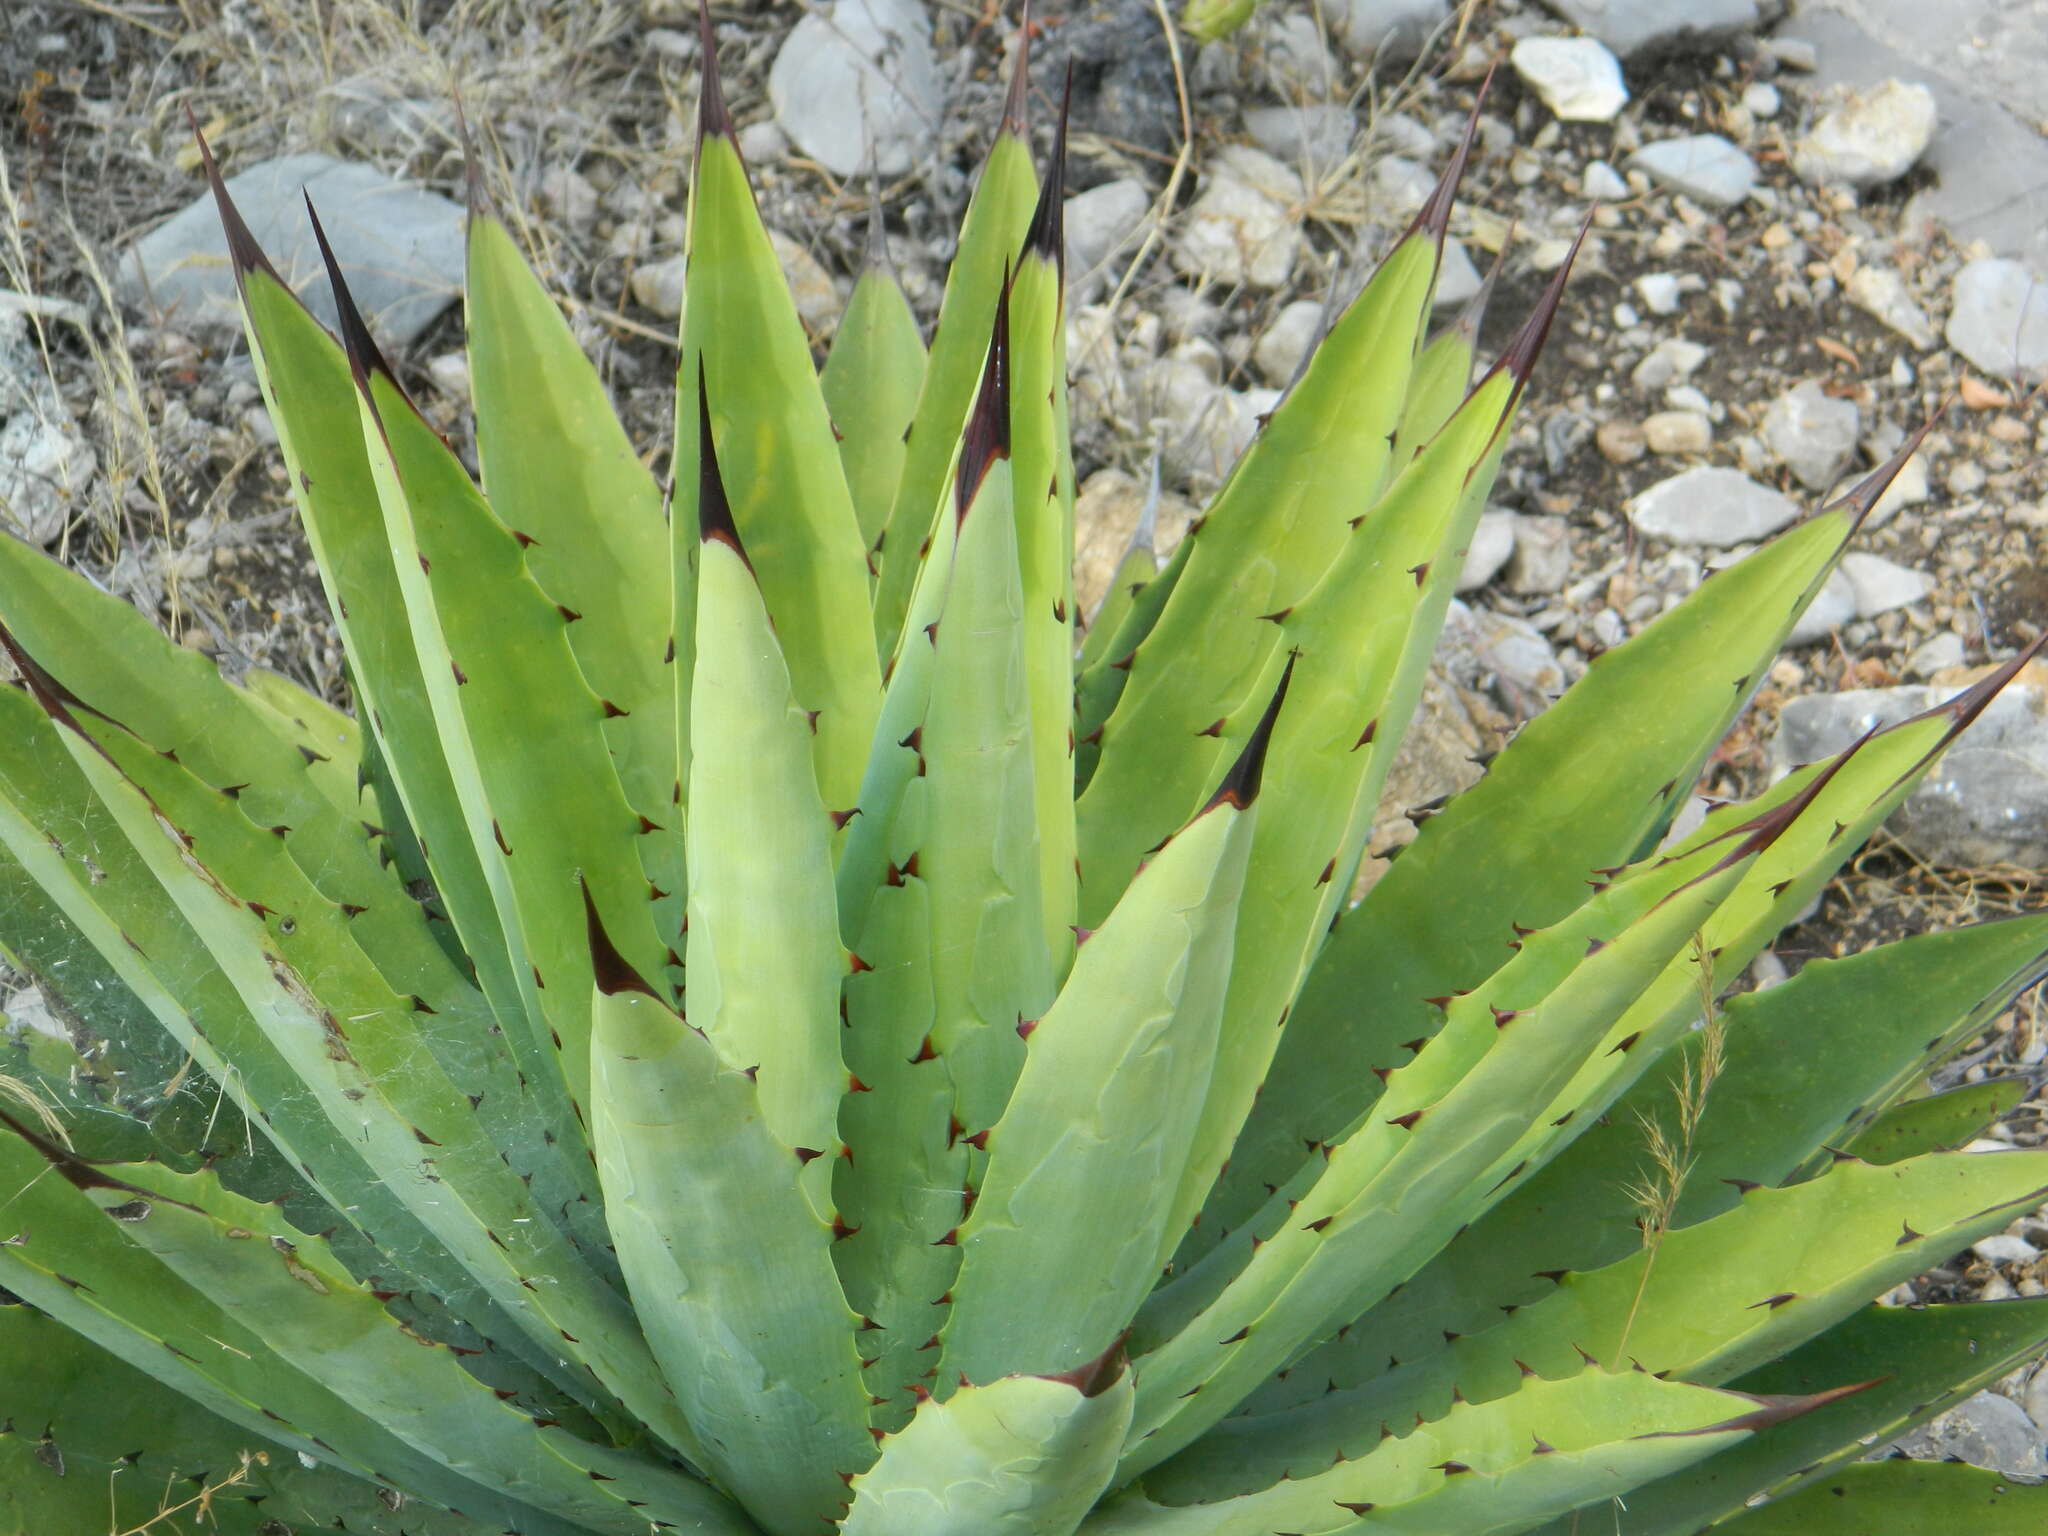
1576 77
856 86
567 193
1672 432
1711 505
1945 650
763 143
403 248
1392 30
1832 607
1318 135
1873 137
1665 364
659 286
45 466
818 299
1278 353
1602 183
1457 280
1908 489
1237 231
1812 434
1999 318
30 1010
450 373
1493 541
1883 295
1761 99
1299 64
1542 561
1400 185
1632 26
1661 292
1704 166
1881 585
2003 1248
1101 219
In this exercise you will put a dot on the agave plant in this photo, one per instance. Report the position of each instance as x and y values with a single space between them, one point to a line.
741 1031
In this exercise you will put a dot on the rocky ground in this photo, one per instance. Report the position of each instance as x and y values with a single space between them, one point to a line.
1812 232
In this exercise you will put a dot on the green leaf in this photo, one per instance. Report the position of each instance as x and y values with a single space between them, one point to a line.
1080 1193
745 350
1024 1456
1803 1062
997 216
1940 1122
557 466
729 1265
1485 1469
870 382
95 1445
1919 1361
1711 1301
1902 1498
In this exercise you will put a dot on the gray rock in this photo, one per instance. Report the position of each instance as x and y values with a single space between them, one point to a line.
1881 585
659 286
1986 802
1999 318
45 465
856 87
1457 279
1711 505
1245 227
1873 137
1986 1431
1576 77
1602 182
1101 219
1945 650
1492 542
1704 166
1882 294
1630 27
1498 651
1392 31
2035 1398
763 143
1542 561
1812 434
1298 63
402 248
1678 432
1318 135
1832 607
1670 361
1279 351
1989 158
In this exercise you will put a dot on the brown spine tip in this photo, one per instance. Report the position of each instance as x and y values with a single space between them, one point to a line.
1017 102
713 120
363 357
714 509
1966 706
1046 238
1771 1410
1240 787
986 437
1094 1377
1865 494
244 253
612 972
1434 218
56 700
1519 359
